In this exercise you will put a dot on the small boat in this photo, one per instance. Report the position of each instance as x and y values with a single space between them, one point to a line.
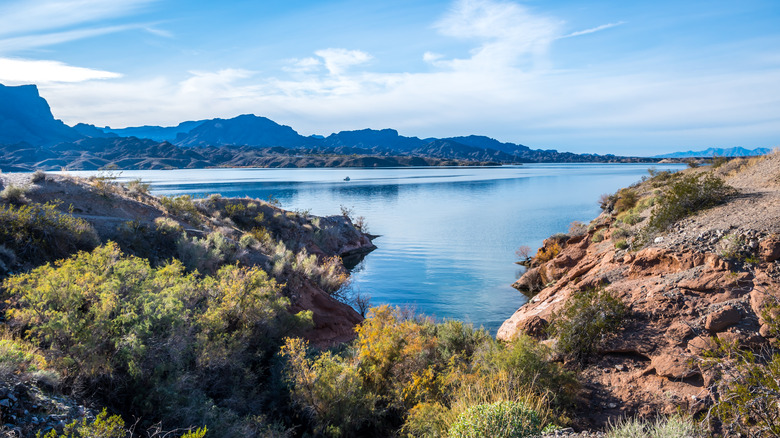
346 179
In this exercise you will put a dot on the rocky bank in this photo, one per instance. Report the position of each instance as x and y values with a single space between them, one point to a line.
706 277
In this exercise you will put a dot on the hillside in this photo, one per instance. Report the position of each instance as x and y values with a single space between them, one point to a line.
691 278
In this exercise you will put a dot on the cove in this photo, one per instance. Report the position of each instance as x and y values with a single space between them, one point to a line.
447 235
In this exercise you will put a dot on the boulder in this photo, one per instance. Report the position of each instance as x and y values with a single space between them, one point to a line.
769 249
722 318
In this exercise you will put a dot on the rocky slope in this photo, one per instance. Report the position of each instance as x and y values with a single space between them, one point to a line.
706 277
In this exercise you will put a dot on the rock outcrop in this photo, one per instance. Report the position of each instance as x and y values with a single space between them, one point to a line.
709 277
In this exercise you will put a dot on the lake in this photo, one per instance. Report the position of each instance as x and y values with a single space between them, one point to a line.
447 235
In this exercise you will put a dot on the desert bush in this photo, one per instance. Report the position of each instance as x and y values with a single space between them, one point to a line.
547 253
14 194
621 244
38 176
138 187
20 358
105 426
412 375
247 241
629 217
664 427
330 391
207 254
501 420
141 338
586 321
598 236
39 233
167 225
692 163
607 201
718 161
626 200
577 228
620 233
182 207
687 195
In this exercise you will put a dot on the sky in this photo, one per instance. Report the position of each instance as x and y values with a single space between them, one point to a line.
603 76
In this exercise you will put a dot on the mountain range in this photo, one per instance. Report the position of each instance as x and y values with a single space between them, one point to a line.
31 138
717 152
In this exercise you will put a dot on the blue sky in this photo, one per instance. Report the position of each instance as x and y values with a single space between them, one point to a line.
600 76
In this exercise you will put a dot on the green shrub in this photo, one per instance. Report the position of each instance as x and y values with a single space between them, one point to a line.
687 195
501 420
14 194
626 200
621 244
40 233
182 207
629 217
598 236
586 321
665 427
620 233
411 375
157 342
105 426
526 362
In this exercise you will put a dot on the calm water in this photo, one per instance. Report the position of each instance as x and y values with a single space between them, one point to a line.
448 235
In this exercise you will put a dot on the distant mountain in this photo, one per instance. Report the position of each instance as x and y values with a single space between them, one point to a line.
246 129
383 140
159 133
25 117
481 141
30 137
711 152
92 131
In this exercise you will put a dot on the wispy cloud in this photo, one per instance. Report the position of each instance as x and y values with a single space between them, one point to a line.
33 16
593 29
337 61
159 32
22 71
14 44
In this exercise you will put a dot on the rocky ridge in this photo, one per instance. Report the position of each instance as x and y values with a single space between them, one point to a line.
707 277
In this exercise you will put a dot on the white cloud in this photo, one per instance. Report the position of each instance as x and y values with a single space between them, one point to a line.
507 32
23 71
594 29
30 16
337 61
305 65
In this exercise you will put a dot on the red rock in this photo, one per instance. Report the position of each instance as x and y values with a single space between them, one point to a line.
674 365
769 249
724 317
701 344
